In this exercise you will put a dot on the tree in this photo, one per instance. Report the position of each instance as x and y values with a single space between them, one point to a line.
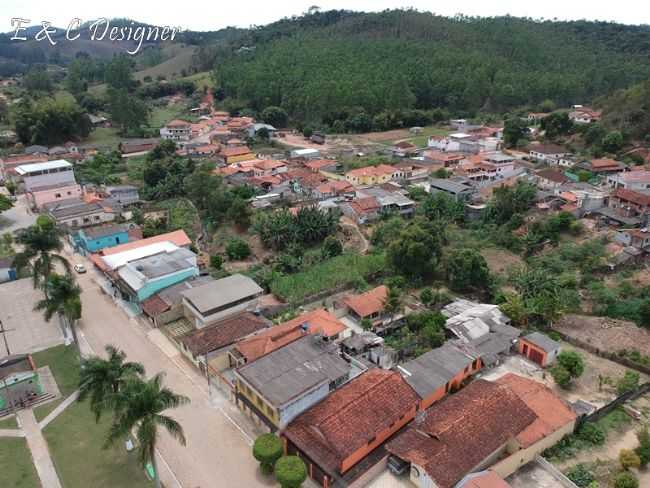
290 471
508 201
515 308
413 253
643 450
237 249
442 207
275 116
626 480
629 459
102 379
392 303
557 124
307 132
62 297
332 247
140 405
468 270
629 382
127 111
216 261
613 142
561 376
118 73
426 296
40 242
267 449
644 313
572 362
50 121
514 130
240 213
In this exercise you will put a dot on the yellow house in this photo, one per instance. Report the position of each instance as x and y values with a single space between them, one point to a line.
372 175
237 154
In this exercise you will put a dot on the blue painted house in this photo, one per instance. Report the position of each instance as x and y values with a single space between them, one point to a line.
95 239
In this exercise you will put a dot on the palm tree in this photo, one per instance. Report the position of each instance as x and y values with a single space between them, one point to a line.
42 242
62 297
102 379
139 406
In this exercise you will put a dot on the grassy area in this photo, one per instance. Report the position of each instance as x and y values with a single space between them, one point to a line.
16 467
200 79
104 136
182 215
341 270
161 115
64 96
76 444
64 364
9 423
178 58
422 139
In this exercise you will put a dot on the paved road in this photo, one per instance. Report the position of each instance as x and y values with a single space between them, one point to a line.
17 217
218 452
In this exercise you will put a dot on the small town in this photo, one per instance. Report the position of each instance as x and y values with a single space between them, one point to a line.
224 266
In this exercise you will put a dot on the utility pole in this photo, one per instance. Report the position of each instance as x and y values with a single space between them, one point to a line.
4 331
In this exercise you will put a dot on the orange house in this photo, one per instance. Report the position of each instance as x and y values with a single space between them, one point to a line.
335 435
440 371
539 348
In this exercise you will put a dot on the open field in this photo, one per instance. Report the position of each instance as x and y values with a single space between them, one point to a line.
104 136
76 444
179 58
391 137
200 80
161 115
501 261
16 467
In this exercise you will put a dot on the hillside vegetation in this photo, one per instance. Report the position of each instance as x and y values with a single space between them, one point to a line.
322 64
629 111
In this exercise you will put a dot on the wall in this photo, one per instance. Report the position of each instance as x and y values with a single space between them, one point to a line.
99 217
94 245
302 403
155 286
201 321
40 198
454 384
512 463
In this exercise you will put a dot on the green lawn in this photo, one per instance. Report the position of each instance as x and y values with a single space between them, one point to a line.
16 467
422 139
200 79
104 136
76 444
161 115
182 215
64 364
9 423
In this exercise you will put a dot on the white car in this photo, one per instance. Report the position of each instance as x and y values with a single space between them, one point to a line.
80 268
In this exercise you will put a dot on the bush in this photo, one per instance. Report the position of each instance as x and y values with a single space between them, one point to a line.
426 296
290 471
629 459
267 449
580 475
629 382
237 249
216 261
643 451
561 376
591 433
572 362
626 480
332 247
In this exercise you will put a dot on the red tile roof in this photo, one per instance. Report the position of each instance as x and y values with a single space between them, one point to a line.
369 302
319 321
605 163
488 479
154 306
632 196
379 170
463 430
338 186
177 123
351 417
553 175
365 205
318 164
552 413
229 152
223 333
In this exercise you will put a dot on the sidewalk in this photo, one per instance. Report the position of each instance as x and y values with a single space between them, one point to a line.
38 447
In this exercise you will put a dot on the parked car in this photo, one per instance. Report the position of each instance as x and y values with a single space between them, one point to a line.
80 268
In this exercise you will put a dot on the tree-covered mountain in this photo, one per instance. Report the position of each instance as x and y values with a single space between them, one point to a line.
325 64
629 111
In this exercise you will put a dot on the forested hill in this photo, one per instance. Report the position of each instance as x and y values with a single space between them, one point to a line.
320 64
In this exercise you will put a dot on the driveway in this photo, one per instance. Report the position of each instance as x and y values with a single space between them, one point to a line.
218 451
17 217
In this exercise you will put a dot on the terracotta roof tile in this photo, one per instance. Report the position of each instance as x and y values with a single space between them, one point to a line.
369 302
352 416
178 237
154 306
632 196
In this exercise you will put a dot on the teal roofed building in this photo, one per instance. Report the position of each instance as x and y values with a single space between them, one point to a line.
94 239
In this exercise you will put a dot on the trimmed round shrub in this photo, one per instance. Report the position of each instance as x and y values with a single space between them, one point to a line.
267 449
290 471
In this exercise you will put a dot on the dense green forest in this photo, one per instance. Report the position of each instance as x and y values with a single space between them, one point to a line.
628 110
325 64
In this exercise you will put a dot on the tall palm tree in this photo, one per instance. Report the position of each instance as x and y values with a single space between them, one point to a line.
42 242
62 297
139 406
102 379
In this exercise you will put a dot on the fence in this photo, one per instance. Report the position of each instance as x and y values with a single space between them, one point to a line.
617 402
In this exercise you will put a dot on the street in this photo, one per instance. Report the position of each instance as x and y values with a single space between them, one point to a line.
17 217
218 451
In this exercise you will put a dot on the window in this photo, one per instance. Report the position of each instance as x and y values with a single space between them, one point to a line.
57 195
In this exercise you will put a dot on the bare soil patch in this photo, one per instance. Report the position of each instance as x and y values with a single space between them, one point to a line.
501 261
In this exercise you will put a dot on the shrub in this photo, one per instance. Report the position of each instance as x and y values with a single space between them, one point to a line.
561 376
426 296
216 261
629 382
643 451
629 459
290 471
591 433
626 480
580 475
332 247
237 249
572 362
267 449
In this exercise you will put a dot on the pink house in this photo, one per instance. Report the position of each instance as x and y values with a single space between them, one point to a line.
43 195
